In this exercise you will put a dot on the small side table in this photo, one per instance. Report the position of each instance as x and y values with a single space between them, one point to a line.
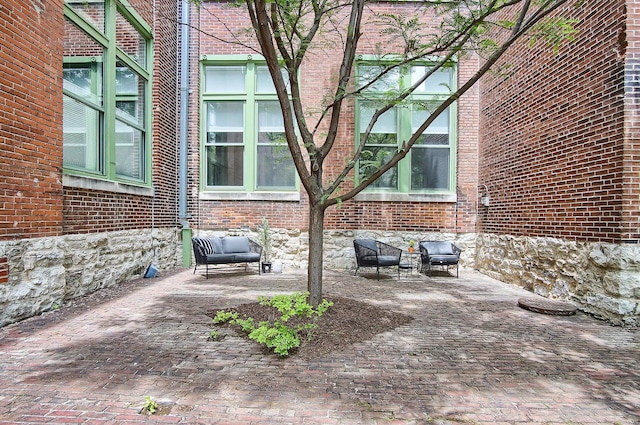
409 266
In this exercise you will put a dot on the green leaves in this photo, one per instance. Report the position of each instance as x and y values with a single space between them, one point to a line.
278 336
553 31
150 406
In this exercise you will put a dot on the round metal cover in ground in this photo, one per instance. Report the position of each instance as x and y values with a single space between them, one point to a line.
546 306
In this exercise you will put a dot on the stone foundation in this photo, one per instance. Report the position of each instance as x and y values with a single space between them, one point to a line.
46 272
599 278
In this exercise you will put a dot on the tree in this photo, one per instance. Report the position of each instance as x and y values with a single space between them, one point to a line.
287 30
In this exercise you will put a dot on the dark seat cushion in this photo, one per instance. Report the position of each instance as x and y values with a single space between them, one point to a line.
248 256
388 260
444 259
220 258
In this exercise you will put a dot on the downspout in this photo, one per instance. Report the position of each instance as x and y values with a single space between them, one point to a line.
184 133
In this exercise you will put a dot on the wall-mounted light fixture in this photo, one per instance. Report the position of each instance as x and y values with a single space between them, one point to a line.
485 199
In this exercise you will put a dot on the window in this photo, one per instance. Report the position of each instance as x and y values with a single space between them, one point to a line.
244 146
429 167
106 73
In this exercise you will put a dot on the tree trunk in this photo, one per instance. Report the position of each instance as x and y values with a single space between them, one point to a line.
316 243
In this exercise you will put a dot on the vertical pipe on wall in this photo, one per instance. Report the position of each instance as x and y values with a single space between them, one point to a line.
184 132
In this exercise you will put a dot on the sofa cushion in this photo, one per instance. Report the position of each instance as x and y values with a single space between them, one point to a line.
204 245
217 244
207 246
233 244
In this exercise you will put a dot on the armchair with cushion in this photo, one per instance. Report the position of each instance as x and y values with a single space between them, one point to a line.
372 253
439 253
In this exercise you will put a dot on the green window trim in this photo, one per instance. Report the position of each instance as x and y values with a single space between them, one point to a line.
404 183
243 155
118 145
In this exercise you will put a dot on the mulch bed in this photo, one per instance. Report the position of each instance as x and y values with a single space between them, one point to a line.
345 323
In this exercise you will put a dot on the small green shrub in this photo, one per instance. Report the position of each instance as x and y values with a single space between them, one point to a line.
224 316
150 406
279 337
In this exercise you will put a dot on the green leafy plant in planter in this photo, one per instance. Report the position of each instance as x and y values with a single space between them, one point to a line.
264 239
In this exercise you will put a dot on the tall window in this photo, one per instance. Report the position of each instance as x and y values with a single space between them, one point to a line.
106 87
244 142
430 165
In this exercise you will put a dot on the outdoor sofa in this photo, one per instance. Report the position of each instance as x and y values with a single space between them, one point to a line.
372 253
225 250
439 253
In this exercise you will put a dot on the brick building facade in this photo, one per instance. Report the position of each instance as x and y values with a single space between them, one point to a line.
560 163
554 149
65 229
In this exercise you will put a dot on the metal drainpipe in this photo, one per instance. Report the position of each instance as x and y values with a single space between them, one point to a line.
184 133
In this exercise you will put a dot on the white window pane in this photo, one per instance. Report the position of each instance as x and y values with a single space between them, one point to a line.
389 81
386 123
129 151
270 117
80 135
439 82
225 79
439 126
225 117
264 83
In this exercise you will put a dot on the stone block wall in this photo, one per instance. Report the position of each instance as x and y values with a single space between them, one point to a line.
602 279
46 272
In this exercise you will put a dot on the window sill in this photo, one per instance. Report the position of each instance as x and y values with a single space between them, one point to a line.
82 182
250 196
407 197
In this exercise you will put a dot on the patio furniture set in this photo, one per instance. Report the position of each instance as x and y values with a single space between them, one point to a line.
368 252
373 253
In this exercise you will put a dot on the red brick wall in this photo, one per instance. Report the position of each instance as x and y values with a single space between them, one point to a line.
630 230
4 270
88 211
316 75
552 135
30 119
165 115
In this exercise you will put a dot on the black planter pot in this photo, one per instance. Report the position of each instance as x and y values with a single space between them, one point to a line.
266 267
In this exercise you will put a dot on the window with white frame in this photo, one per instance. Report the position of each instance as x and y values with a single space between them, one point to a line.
430 165
106 91
244 145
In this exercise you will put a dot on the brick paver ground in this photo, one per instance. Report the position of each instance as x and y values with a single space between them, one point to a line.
471 356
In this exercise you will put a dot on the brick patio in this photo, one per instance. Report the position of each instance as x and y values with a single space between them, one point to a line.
471 356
